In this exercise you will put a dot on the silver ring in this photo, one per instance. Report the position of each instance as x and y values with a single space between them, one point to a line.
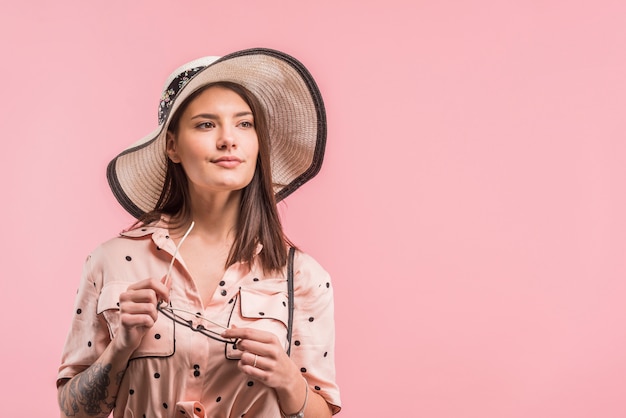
255 357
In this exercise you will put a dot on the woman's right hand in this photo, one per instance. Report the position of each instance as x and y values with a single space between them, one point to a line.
138 312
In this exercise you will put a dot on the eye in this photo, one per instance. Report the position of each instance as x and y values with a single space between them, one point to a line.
246 124
205 125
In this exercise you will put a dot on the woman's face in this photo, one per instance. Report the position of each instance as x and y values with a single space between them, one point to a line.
215 142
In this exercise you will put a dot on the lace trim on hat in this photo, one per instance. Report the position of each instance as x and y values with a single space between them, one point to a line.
170 93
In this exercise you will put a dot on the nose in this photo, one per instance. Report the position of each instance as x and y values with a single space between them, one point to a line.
226 139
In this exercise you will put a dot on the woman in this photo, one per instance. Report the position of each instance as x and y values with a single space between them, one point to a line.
189 313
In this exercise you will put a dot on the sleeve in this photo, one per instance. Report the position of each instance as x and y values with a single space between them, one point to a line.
89 333
313 339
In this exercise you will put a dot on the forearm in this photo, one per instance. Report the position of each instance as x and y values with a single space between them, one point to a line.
92 393
317 406
292 399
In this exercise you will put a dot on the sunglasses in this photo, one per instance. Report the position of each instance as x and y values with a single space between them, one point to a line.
194 321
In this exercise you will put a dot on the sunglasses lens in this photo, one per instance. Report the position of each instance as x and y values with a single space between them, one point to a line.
195 322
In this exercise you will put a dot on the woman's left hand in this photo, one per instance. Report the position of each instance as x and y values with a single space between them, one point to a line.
264 358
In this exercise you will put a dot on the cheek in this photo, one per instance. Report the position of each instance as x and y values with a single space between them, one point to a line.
253 157
254 147
194 150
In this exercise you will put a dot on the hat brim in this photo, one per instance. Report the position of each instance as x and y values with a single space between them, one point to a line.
296 120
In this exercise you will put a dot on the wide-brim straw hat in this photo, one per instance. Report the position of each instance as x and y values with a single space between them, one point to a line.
294 111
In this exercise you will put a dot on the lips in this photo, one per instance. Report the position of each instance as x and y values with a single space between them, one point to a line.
227 161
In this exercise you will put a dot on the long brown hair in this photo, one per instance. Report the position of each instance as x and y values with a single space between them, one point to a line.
258 221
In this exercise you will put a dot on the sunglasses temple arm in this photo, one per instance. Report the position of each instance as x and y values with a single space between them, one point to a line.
168 275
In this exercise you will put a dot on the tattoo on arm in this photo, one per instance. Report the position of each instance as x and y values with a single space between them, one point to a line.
88 391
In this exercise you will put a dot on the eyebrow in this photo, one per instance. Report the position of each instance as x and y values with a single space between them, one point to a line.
212 116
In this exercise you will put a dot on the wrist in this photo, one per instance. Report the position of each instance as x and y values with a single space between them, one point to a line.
300 412
121 349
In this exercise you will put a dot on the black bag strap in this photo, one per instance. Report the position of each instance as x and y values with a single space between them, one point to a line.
290 293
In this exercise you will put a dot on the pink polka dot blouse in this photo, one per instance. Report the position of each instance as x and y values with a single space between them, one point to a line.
180 372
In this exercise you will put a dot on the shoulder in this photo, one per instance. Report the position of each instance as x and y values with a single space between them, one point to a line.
305 263
126 241
309 275
132 251
132 237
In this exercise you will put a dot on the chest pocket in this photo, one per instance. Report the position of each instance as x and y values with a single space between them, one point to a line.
158 340
261 310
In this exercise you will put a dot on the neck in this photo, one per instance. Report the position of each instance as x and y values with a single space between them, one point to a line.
214 216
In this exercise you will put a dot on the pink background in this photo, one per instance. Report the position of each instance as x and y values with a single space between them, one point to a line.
470 209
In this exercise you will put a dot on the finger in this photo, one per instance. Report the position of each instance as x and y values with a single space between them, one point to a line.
160 289
133 320
247 366
249 334
271 350
252 360
143 295
139 296
139 308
